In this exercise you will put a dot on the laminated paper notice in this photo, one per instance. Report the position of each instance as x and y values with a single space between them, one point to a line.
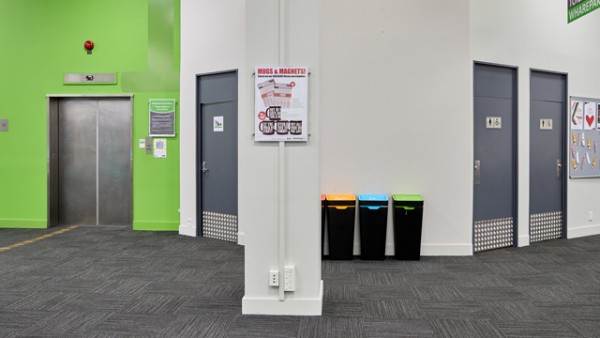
281 104
160 148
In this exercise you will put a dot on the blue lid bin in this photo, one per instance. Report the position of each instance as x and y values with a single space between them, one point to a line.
373 215
341 211
408 224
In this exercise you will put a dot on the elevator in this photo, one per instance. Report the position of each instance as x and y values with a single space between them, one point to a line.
89 160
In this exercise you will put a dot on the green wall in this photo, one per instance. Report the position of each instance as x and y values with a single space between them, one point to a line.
40 41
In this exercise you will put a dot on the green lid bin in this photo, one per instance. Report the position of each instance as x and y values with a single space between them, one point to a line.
408 224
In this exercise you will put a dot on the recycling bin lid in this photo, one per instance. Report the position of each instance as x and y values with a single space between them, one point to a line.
373 197
341 197
407 198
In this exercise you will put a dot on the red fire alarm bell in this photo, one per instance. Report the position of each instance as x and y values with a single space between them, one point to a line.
88 45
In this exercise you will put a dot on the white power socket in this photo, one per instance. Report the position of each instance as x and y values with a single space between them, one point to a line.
273 278
289 277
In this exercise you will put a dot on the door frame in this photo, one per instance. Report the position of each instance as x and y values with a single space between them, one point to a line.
564 137
52 145
198 140
515 151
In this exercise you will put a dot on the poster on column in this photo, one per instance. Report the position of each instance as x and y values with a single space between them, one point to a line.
584 138
281 104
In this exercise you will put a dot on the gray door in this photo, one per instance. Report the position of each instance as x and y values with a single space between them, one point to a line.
217 155
90 161
495 180
547 175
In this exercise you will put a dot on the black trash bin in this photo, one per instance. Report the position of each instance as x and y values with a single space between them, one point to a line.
323 213
408 222
373 213
340 226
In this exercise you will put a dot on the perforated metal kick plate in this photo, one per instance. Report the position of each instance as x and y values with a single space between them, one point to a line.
493 234
219 226
545 226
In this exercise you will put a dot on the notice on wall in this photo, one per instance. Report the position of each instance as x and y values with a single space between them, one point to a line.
584 138
281 104
218 124
160 148
162 117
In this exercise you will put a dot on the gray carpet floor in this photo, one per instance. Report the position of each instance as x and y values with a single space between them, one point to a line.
114 282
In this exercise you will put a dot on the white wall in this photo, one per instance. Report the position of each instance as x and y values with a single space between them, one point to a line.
224 35
535 34
394 82
258 163
397 109
212 40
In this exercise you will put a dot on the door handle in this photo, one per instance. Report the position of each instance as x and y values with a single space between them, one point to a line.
477 173
558 168
204 168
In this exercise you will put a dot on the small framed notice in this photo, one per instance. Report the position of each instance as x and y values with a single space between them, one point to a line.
162 117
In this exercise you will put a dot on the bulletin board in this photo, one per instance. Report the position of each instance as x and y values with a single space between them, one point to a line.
584 137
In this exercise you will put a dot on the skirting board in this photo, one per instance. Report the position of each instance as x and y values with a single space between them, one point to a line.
429 249
155 226
289 307
187 230
446 249
588 230
23 224
523 241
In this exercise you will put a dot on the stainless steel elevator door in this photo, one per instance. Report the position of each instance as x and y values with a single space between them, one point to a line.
94 161
114 161
77 161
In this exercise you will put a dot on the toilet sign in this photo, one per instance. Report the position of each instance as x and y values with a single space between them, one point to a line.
218 124
545 124
493 122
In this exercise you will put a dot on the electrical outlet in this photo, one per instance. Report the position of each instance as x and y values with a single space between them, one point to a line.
590 216
289 277
273 278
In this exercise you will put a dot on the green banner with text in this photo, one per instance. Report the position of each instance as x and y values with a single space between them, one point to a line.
579 8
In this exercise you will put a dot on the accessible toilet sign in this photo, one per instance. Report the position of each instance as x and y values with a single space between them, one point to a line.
578 8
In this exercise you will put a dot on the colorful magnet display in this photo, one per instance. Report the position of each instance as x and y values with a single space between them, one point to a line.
584 115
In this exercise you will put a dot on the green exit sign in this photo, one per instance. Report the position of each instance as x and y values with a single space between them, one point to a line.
579 8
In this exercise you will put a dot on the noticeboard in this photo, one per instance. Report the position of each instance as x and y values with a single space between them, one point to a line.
584 137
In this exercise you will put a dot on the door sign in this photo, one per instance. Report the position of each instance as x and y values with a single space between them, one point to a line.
493 122
545 124
218 124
